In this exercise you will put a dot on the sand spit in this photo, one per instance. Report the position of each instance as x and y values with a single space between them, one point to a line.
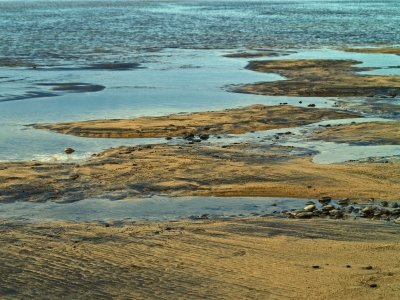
258 258
374 50
371 133
198 169
320 78
259 53
237 120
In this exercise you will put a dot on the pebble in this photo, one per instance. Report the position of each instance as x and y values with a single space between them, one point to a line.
316 267
344 201
303 215
384 203
310 207
369 210
69 150
328 207
325 199
373 285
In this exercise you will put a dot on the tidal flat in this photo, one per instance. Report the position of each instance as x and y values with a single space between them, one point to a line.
180 161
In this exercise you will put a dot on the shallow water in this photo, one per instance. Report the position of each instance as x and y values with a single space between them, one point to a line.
181 81
156 208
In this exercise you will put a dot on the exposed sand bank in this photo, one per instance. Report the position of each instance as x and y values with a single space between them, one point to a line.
261 258
374 50
320 78
235 170
237 120
384 133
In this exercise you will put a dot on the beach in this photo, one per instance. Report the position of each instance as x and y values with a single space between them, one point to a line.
149 150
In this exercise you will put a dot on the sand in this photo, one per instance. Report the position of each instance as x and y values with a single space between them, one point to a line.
237 120
319 78
374 50
198 169
372 133
260 258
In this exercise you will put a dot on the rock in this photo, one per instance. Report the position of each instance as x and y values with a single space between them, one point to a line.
336 213
344 201
168 138
315 267
384 203
204 136
328 207
303 215
394 205
188 136
368 211
395 211
311 105
69 150
325 199
397 221
310 207
373 285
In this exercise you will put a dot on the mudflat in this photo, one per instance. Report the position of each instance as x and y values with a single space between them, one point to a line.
319 78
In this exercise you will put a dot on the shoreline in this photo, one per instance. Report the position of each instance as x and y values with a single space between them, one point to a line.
225 259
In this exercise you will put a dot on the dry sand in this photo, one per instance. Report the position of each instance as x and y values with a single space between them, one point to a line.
320 78
238 120
261 258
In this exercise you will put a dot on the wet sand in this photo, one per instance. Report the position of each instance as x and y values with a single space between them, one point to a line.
237 120
259 258
319 78
374 50
371 133
198 169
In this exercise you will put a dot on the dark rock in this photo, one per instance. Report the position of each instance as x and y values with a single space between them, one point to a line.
344 201
368 211
188 136
373 285
311 105
325 199
69 150
303 215
384 203
394 205
328 207
316 267
204 136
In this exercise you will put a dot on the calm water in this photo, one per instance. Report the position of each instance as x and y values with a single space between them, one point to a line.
71 31
179 46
